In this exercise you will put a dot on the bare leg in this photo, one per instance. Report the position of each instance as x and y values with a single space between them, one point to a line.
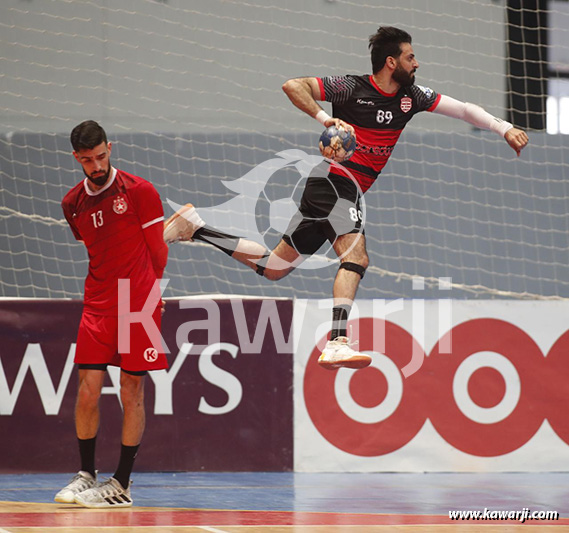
276 264
134 419
87 407
350 248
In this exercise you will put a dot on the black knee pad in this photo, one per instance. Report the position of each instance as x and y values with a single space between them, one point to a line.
354 267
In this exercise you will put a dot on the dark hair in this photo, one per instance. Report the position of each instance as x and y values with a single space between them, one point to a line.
87 135
384 43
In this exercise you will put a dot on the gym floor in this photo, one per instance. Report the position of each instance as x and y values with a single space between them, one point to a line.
290 502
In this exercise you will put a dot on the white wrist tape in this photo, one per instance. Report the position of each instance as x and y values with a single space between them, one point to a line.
322 117
500 126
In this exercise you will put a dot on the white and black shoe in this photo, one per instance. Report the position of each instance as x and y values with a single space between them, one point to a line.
108 494
80 482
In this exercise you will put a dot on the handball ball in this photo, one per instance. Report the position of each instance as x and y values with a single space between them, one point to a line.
337 144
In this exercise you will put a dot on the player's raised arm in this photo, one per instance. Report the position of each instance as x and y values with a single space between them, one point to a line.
475 115
303 93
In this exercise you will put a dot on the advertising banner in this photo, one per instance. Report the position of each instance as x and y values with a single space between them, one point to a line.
224 404
453 386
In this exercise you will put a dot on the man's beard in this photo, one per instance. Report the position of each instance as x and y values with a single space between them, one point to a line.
402 77
99 181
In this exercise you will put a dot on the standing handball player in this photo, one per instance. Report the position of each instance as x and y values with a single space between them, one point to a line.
119 217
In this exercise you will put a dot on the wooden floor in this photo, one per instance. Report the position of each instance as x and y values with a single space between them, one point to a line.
287 502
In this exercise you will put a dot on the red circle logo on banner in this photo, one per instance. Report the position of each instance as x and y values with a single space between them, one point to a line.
486 398
485 430
367 438
554 396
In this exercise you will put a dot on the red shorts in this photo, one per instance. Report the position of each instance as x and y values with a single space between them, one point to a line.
112 340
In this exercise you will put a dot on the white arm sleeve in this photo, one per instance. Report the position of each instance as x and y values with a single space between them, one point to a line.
472 114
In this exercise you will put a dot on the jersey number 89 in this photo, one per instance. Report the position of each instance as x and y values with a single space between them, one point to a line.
384 116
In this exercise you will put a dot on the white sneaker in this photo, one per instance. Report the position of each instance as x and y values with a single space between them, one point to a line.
109 493
337 353
182 225
80 482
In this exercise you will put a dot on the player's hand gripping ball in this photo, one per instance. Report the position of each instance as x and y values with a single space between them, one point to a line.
337 144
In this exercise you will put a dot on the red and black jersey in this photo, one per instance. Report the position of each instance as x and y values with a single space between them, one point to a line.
378 118
111 223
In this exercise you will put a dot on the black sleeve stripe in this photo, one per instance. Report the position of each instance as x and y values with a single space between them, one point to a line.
338 89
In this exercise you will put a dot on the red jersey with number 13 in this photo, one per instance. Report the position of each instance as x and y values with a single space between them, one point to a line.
111 223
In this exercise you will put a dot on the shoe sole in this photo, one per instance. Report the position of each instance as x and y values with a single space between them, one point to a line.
100 505
103 505
355 362
62 500
170 229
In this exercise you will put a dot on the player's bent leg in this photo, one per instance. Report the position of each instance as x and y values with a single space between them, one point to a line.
187 225
280 262
249 253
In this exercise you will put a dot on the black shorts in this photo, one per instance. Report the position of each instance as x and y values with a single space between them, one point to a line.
329 207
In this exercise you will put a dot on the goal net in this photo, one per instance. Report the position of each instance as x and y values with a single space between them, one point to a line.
189 93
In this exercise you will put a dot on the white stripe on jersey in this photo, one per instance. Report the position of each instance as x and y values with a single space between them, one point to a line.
159 219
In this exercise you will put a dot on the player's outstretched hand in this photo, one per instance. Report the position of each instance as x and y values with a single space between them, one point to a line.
517 139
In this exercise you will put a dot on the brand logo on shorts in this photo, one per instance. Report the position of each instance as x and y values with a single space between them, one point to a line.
151 354
406 104
119 205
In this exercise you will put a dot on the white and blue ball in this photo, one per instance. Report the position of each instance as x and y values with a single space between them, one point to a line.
337 144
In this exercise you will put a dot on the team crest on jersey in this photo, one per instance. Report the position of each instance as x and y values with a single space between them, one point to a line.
119 205
406 104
